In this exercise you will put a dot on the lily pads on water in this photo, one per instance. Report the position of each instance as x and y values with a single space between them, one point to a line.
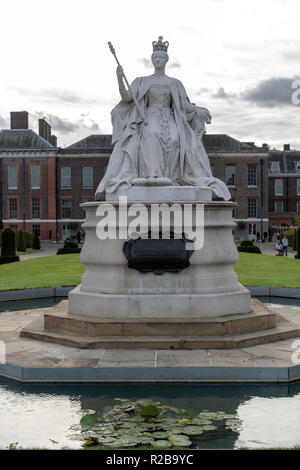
130 423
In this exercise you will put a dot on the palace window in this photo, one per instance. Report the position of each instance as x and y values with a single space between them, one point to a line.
252 208
35 176
66 205
66 177
13 208
275 166
298 187
278 206
38 228
12 177
278 187
87 177
252 175
35 207
230 175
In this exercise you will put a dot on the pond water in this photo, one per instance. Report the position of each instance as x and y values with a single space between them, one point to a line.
41 415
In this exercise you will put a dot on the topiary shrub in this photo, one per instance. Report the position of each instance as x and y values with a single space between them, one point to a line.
8 249
36 244
249 249
69 247
22 241
246 243
297 255
28 239
247 246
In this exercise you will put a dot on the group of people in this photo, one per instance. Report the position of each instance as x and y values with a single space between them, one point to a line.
282 246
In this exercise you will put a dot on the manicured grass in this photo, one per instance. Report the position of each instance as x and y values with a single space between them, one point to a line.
48 271
66 270
28 251
265 270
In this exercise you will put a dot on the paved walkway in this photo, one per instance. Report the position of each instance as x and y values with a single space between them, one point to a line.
47 249
269 249
32 354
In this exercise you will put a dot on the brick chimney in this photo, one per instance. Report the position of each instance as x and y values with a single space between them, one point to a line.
286 147
19 120
45 129
53 140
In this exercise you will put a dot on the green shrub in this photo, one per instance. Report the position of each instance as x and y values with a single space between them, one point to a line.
28 239
69 247
247 246
8 249
36 244
22 241
297 255
249 249
246 243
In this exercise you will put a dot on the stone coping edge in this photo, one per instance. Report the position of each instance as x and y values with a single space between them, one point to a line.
124 375
39 293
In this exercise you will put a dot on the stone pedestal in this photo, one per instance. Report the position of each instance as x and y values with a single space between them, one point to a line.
207 288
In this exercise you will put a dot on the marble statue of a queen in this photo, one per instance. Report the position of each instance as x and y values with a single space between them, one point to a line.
157 133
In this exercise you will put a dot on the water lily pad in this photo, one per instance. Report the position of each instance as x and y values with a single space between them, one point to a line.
161 444
149 411
160 435
209 428
88 421
180 440
192 430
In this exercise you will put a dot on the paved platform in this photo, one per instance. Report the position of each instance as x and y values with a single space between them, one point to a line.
30 360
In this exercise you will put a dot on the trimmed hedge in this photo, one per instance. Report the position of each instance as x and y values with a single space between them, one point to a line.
68 248
297 255
22 241
247 246
246 243
8 249
36 244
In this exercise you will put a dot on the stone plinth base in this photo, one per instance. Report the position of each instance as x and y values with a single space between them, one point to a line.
208 287
226 332
173 305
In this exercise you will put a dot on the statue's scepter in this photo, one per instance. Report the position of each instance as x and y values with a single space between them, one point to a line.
112 50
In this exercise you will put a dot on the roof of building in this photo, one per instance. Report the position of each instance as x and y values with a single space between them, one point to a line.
286 161
22 139
221 141
95 141
215 141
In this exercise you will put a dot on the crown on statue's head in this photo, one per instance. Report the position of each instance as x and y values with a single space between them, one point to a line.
160 45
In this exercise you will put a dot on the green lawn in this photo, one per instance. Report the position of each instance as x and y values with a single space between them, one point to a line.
66 270
265 270
48 271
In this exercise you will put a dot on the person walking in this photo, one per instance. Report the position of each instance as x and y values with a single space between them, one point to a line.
285 244
279 248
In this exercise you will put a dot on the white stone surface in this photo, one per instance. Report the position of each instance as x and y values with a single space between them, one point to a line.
161 194
208 287
157 134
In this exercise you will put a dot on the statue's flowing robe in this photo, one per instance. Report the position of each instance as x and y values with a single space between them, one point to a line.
123 165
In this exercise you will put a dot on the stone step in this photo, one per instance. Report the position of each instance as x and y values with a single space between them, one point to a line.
286 330
259 319
161 327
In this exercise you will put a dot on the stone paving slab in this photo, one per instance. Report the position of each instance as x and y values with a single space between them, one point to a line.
32 360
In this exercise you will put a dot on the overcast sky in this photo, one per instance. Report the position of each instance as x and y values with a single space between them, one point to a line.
237 58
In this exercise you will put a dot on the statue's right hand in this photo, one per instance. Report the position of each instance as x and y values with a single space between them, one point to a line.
120 71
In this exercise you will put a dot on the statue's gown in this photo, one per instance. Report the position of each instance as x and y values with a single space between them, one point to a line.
164 145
